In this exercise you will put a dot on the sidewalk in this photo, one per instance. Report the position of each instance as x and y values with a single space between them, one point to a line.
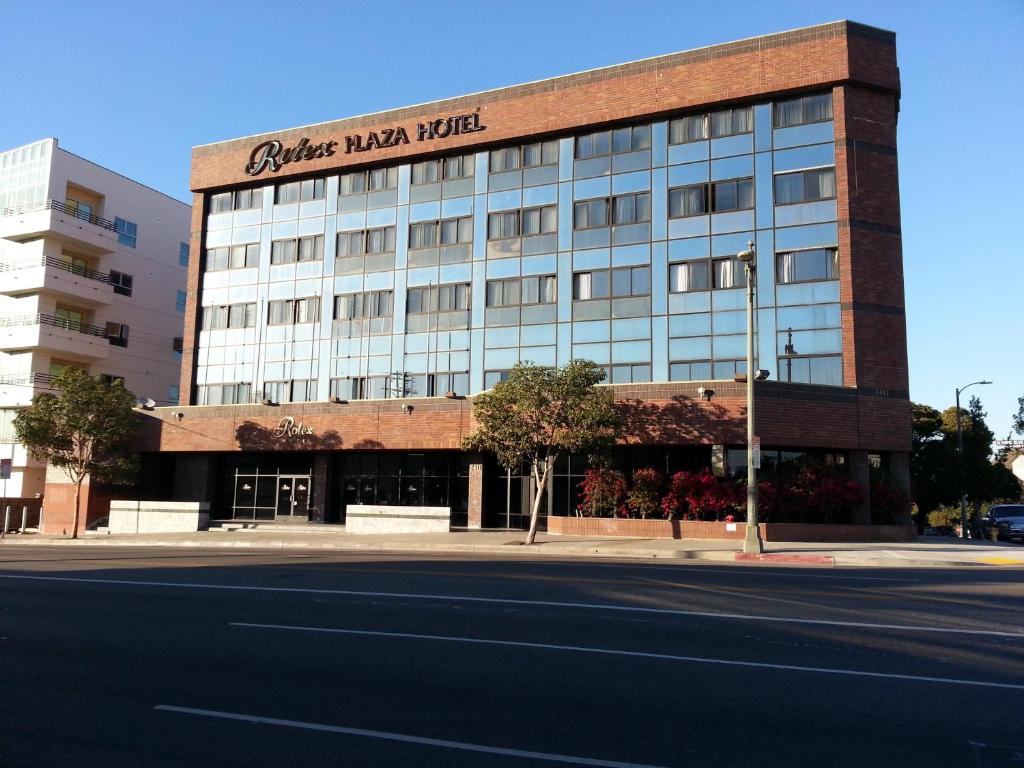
930 552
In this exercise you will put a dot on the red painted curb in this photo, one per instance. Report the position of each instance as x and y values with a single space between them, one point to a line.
779 558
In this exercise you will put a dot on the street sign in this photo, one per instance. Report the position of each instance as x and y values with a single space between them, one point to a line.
1010 443
5 469
755 451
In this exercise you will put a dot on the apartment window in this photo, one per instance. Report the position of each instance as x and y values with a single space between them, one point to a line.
453 297
699 370
689 276
514 291
716 197
127 232
631 209
178 343
807 266
363 305
292 311
525 156
309 248
730 122
173 394
381 240
690 128
602 283
246 199
729 273
229 316
117 334
110 379
804 109
826 369
613 142
224 394
375 180
122 282
805 186
179 301
629 374
183 254
233 257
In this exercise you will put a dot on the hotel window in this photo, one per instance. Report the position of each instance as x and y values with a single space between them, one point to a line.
429 234
613 142
689 276
433 171
293 311
525 156
381 240
224 394
312 189
804 109
360 388
234 257
183 254
731 122
529 221
427 172
220 203
717 197
229 316
826 369
248 198
729 273
805 186
370 304
127 232
590 214
304 249
122 282
628 374
699 370
179 301
807 266
621 281
685 129
294 391
440 384
631 209
286 193
453 297
493 377
375 180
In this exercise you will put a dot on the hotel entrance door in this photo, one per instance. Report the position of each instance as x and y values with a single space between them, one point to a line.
293 498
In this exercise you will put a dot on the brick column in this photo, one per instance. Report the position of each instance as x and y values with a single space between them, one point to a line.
899 475
321 487
476 494
860 471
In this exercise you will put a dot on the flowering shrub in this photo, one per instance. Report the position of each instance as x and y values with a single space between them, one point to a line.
644 497
888 503
807 494
699 496
602 491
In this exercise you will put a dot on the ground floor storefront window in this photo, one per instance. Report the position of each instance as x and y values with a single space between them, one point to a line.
265 488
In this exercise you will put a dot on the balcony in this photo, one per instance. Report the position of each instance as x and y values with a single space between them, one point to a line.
39 273
53 218
17 389
70 338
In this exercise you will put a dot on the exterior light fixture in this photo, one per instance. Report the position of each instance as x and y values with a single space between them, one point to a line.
752 540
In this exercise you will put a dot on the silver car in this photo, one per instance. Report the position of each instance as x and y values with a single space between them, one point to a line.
1006 519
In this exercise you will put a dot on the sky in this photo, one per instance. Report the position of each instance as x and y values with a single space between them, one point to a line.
135 85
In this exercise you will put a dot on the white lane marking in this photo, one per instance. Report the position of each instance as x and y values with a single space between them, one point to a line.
635 654
539 603
712 569
404 737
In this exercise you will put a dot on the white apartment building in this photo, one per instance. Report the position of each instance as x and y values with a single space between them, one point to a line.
92 274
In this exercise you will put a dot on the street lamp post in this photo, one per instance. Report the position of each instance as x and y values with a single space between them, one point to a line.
752 540
960 459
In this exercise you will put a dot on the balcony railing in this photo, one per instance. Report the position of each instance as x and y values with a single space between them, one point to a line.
61 264
34 379
57 322
57 205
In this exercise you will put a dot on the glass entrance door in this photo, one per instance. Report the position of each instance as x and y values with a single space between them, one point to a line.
293 496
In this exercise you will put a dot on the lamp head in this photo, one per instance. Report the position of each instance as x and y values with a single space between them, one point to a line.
748 255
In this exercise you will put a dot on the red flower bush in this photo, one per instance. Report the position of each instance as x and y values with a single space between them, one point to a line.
699 496
602 492
644 497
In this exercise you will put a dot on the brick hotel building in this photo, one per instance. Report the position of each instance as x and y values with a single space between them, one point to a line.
358 281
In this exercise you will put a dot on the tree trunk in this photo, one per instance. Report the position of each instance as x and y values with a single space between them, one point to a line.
78 494
542 482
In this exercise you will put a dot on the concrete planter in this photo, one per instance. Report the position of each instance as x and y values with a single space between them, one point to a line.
695 529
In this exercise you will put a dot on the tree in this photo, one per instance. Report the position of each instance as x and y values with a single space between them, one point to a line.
85 430
933 462
1018 417
540 414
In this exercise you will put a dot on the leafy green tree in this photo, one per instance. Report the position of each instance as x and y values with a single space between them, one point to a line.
84 430
1018 417
540 414
933 462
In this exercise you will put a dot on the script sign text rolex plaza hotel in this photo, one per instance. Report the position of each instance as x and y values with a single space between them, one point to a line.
273 155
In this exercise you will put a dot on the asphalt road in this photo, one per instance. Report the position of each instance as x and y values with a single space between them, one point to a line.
135 657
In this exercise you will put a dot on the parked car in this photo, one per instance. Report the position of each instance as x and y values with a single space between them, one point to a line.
1006 519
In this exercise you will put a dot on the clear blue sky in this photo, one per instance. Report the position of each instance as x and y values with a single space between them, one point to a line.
134 85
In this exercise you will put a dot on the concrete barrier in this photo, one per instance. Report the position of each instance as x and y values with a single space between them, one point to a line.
158 516
374 518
